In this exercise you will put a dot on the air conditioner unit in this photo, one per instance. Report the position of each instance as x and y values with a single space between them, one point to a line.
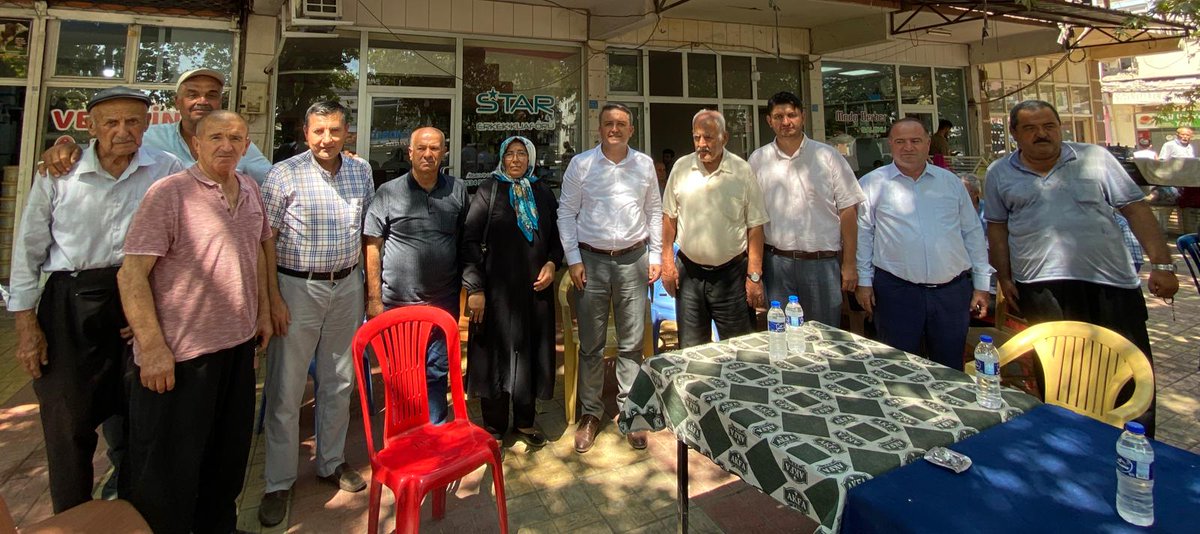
319 9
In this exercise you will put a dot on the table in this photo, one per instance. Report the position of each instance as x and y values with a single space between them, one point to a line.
1050 470
829 417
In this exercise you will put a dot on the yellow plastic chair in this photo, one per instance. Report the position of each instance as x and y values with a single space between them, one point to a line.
566 301
1084 367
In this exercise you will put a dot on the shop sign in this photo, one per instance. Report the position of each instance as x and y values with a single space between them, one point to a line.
63 120
866 122
494 102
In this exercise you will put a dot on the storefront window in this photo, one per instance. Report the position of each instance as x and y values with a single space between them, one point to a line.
14 50
666 74
702 75
91 49
1061 101
860 103
625 72
66 113
952 106
534 92
778 75
739 120
916 86
1081 100
311 70
165 53
412 62
735 77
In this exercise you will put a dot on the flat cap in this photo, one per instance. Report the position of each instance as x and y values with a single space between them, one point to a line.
114 93
199 72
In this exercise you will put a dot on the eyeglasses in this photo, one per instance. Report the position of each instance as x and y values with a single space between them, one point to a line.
516 155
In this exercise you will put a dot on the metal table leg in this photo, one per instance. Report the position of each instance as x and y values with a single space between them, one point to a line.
681 471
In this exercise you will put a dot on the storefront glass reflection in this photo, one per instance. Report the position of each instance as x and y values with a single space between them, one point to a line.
860 103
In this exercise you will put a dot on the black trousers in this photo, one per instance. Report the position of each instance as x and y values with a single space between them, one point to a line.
80 314
495 411
711 294
188 447
1122 310
908 315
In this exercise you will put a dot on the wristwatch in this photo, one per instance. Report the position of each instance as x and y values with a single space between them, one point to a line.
1168 267
754 277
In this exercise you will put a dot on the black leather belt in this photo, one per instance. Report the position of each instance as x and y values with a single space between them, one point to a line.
336 275
961 275
802 255
639 245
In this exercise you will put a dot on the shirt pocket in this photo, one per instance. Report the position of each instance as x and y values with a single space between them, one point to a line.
1086 191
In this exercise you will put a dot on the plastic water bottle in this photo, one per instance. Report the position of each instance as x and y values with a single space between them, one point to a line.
795 318
1135 476
987 374
776 332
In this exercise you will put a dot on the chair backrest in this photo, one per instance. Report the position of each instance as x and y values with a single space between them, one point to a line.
1190 250
1084 367
398 339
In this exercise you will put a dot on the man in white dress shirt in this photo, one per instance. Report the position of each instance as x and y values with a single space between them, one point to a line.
810 195
922 260
1180 146
73 228
610 224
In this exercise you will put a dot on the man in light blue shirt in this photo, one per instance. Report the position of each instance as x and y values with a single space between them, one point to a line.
197 93
922 260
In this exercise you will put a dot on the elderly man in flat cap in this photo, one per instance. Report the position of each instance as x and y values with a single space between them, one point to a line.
197 93
73 229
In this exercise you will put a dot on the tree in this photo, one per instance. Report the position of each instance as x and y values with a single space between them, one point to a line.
1185 109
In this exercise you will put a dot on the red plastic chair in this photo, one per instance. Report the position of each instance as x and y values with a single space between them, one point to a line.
418 457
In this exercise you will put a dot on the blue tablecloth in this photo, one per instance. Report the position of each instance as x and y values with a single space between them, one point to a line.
1049 470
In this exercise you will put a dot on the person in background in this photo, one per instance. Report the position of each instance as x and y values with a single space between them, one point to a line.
1145 149
668 159
510 294
1189 197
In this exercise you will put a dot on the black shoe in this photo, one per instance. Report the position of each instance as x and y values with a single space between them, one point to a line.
274 507
345 479
532 437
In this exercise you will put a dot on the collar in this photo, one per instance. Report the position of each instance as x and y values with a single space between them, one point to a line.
698 165
197 174
89 161
779 153
893 171
311 159
629 153
1066 155
442 180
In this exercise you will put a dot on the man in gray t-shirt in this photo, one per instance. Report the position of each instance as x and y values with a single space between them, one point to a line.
414 231
1054 239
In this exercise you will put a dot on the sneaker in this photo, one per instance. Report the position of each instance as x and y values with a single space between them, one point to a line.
345 479
274 507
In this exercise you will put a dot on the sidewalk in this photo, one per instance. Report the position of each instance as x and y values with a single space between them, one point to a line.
612 488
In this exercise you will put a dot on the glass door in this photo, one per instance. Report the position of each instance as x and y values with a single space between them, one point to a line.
392 122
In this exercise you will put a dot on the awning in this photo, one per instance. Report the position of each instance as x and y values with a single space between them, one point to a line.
203 8
1081 25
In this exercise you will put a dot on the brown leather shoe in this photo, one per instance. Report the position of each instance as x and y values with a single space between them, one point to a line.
636 440
585 433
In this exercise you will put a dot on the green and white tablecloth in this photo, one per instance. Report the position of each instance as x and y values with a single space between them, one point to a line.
808 428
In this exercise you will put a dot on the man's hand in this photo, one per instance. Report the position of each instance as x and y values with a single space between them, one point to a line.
280 317
545 276
374 308
670 278
979 303
653 273
849 277
578 275
476 302
1010 294
31 343
158 368
865 295
59 159
754 294
1163 284
263 331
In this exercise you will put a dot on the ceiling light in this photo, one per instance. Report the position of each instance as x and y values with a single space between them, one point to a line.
830 69
939 31
859 72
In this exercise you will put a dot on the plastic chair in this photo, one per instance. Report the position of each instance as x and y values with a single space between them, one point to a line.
566 299
92 516
1084 367
417 456
1190 250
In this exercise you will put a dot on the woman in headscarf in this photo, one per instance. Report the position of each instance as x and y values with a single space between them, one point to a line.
513 249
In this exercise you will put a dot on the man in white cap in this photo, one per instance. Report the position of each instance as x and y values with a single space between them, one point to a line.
197 93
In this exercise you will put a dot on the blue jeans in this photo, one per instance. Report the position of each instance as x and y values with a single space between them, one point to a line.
437 367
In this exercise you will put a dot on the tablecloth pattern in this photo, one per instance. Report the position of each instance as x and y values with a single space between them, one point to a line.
806 429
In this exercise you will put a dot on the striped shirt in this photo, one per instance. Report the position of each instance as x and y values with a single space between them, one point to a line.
318 216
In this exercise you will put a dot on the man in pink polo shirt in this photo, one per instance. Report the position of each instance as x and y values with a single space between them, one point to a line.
193 286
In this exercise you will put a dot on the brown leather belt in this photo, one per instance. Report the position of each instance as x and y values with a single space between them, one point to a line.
639 245
336 275
801 255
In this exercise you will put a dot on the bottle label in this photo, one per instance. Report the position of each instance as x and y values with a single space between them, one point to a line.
1135 469
795 321
780 326
992 369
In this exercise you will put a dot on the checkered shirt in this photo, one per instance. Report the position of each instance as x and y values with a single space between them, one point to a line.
1131 242
318 216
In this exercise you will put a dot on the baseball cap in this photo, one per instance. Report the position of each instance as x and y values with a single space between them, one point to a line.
114 93
199 72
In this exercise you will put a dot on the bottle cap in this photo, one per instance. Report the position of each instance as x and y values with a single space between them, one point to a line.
794 298
774 303
985 339
1135 427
